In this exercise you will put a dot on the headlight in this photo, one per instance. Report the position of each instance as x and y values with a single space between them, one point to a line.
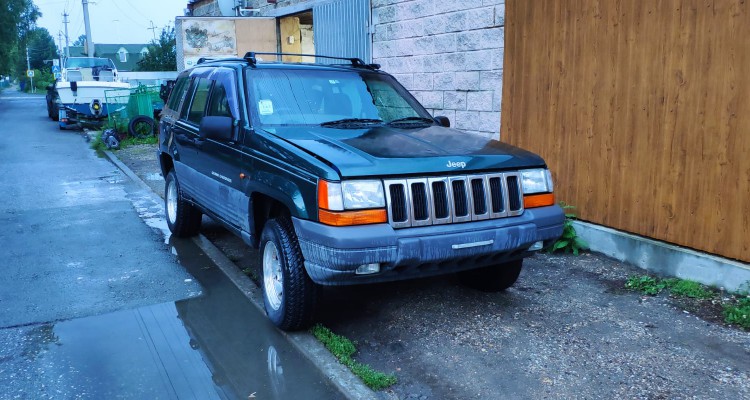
363 194
536 181
351 195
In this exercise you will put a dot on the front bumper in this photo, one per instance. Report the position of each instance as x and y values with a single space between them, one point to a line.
332 254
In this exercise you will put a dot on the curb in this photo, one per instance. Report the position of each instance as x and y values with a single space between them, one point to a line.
349 385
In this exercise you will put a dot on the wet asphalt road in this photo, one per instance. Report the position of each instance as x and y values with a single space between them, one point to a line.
96 301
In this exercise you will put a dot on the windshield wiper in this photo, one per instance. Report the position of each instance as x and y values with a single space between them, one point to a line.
347 121
412 119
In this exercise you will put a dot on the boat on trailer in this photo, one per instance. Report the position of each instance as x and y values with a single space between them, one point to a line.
80 92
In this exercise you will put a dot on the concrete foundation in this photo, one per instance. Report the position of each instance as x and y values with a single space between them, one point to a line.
666 259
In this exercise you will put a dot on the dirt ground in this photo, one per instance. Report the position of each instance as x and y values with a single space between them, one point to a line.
567 329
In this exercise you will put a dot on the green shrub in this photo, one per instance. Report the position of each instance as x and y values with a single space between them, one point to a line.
569 242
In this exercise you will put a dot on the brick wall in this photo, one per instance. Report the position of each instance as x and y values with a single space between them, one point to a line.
448 53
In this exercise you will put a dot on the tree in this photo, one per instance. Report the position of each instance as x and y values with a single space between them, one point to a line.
17 19
80 41
161 53
41 47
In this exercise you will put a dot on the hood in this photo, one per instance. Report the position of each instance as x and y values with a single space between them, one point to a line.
390 151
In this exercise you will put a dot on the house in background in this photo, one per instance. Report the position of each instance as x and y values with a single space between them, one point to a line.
125 56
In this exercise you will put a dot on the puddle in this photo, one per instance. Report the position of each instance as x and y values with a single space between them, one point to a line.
216 346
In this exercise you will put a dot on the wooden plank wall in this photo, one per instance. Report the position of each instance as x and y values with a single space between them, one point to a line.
642 111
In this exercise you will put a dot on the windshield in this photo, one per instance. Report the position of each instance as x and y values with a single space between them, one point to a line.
88 62
314 97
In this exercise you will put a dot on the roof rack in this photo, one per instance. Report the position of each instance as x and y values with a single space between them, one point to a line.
209 59
251 58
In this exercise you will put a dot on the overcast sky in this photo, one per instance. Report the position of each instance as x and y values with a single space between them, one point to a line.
112 21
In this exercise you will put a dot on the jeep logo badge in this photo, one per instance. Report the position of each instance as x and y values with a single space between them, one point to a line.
453 164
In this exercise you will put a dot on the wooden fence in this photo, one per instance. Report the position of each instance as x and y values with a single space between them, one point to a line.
642 111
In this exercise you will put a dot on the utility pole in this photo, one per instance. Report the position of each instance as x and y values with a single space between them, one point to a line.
67 39
59 40
153 29
86 21
28 68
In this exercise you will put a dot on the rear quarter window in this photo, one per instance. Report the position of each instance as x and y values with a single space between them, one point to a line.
180 87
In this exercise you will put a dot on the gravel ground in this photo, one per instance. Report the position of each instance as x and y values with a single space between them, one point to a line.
567 329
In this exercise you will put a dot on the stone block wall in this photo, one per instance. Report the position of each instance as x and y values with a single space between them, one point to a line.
448 53
206 9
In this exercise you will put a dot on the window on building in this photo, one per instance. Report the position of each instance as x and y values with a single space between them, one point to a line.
123 55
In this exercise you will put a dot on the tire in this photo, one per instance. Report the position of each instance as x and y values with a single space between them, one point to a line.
183 218
141 127
494 278
289 295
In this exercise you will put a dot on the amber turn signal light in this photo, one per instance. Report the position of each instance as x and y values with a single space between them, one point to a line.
538 200
348 218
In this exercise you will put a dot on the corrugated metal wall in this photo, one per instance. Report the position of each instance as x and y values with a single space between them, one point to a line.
341 29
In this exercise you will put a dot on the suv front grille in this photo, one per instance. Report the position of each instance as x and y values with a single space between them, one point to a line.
453 199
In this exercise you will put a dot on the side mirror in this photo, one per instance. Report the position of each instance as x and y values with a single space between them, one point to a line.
443 121
217 128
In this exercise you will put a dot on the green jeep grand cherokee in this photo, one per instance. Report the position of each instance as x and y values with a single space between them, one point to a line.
341 177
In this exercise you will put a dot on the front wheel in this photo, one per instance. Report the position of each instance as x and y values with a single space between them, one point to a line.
289 295
494 278
183 218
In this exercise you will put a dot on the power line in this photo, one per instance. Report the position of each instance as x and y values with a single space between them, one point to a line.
128 16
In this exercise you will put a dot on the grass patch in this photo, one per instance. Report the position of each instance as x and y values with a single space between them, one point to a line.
738 313
645 284
97 144
343 349
131 141
697 298
652 286
694 290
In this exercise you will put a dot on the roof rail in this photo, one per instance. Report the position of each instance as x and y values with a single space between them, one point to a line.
210 59
252 59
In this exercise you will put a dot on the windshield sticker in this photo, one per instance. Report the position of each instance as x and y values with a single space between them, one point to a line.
265 107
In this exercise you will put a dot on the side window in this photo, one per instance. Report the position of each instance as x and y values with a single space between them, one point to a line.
219 104
190 89
178 92
198 105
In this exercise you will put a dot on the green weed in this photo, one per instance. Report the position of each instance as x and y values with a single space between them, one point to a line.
131 141
569 242
684 288
343 349
645 284
97 144
738 313
652 286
